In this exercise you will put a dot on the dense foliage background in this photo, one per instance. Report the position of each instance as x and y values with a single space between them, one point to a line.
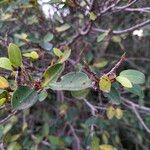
98 32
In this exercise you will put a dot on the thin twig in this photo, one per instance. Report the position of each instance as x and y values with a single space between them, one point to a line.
8 117
75 136
140 119
113 70
117 32
126 6
93 109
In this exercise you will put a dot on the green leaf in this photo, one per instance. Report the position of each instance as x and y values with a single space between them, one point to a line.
52 73
92 16
62 28
56 140
101 37
105 84
124 81
134 76
113 96
137 90
23 98
57 52
14 55
65 56
48 37
42 95
80 94
95 143
110 112
47 46
2 101
73 81
34 55
5 63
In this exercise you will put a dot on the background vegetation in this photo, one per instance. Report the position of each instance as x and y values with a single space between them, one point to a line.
98 32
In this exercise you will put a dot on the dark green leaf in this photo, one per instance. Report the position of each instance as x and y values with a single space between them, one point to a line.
113 96
23 98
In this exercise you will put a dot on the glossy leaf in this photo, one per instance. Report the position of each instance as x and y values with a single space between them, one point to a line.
14 54
52 73
73 81
3 83
124 81
105 84
5 63
23 98
134 76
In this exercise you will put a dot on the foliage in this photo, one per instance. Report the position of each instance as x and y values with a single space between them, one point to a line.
73 78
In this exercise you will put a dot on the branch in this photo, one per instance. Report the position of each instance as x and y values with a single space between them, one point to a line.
126 6
75 136
140 119
116 32
113 70
8 117
145 10
142 108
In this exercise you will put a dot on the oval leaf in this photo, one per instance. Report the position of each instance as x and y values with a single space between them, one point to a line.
105 84
106 147
110 112
124 81
34 55
2 101
5 63
80 94
3 83
134 76
52 74
14 55
23 98
57 52
118 113
73 81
